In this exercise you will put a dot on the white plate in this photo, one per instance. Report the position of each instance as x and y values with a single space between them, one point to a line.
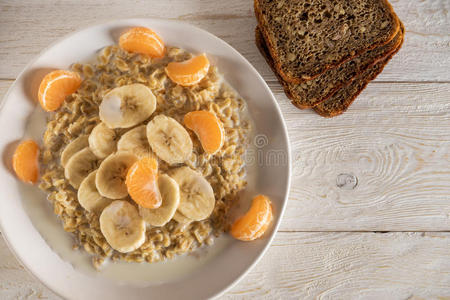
36 236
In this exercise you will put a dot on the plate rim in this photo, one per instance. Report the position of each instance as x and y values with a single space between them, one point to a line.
248 64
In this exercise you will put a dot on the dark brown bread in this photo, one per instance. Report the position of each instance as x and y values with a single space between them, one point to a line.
319 89
342 100
307 37
265 53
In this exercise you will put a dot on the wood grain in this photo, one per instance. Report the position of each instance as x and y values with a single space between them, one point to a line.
43 22
382 166
395 140
314 266
351 266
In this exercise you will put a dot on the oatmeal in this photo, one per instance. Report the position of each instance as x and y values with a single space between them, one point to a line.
82 139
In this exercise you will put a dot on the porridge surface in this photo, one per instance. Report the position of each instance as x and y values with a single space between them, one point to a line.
225 170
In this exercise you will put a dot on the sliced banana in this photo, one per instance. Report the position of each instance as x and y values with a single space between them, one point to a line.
181 219
122 226
196 194
73 147
89 197
169 140
170 194
79 166
126 106
135 141
111 175
103 140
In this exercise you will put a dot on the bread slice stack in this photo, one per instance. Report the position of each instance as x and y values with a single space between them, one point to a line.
325 52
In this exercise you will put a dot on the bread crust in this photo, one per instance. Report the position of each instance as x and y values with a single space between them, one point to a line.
260 45
289 90
305 77
371 76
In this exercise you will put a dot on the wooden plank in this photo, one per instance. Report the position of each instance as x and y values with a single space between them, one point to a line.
314 265
351 266
395 140
45 22
424 56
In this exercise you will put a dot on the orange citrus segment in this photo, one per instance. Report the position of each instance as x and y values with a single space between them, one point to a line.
142 40
188 72
142 183
25 161
255 222
208 128
56 86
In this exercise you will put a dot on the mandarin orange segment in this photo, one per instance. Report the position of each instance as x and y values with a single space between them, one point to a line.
255 222
142 183
142 40
207 127
56 86
25 161
188 72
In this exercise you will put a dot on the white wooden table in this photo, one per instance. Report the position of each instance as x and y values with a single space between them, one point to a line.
386 238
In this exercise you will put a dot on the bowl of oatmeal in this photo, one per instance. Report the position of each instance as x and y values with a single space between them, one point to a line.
152 149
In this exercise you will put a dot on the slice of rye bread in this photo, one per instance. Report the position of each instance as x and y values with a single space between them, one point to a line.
342 100
307 37
259 41
319 89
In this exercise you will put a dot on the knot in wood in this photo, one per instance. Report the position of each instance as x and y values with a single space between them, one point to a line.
346 181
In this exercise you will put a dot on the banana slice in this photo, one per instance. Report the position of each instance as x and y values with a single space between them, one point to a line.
111 175
169 140
126 106
180 218
196 194
103 140
122 226
135 141
73 147
89 197
170 194
79 166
